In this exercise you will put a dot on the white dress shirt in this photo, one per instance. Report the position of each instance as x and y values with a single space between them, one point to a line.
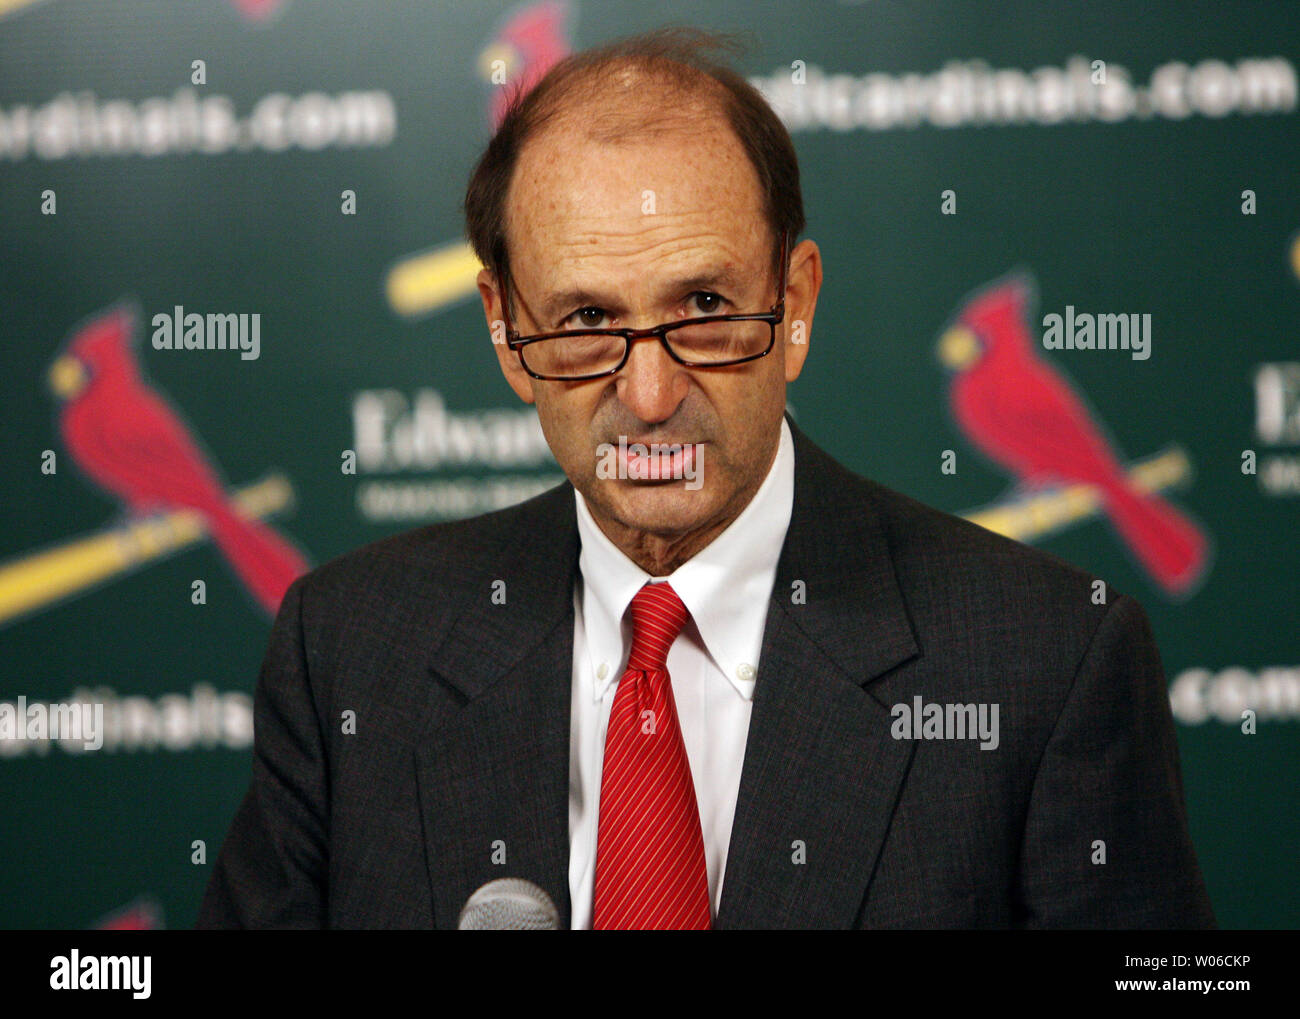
726 587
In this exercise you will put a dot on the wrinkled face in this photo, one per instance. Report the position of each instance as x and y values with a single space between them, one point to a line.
621 234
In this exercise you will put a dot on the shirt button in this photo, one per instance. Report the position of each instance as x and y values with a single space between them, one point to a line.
745 672
602 670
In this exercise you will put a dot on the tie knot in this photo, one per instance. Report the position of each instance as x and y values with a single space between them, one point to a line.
658 616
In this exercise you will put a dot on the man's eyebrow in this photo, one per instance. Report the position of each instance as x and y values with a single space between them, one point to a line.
573 298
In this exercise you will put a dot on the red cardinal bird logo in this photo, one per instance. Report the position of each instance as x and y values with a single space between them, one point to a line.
531 40
141 915
256 10
127 439
1023 414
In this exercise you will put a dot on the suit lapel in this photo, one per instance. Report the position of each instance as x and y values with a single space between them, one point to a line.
493 777
821 773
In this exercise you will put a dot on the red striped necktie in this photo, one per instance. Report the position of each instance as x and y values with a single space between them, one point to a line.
650 872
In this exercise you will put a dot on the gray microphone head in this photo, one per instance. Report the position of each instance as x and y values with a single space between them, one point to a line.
509 904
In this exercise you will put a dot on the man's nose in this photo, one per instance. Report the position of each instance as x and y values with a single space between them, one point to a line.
652 385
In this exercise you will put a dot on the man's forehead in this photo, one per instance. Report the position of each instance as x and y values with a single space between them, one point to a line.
567 184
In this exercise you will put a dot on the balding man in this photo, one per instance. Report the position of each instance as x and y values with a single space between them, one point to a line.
715 680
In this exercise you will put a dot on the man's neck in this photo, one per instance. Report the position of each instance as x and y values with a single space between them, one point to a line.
659 555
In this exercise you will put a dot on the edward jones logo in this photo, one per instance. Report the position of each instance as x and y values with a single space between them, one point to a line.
396 434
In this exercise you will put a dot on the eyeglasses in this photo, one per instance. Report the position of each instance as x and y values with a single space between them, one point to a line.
709 341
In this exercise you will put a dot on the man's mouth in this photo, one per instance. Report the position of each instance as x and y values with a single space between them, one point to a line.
657 461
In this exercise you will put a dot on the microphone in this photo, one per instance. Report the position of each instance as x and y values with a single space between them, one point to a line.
509 904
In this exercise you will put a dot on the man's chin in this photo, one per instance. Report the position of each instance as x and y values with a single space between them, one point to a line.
664 507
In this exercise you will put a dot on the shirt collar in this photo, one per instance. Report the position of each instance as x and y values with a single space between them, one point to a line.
726 586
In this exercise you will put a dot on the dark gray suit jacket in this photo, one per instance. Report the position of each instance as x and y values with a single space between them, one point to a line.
461 737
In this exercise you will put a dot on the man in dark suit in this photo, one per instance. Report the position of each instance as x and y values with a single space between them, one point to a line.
714 680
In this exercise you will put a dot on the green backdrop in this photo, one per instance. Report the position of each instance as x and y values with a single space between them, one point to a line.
227 195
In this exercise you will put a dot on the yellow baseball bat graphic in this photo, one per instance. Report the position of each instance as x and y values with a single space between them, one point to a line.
6 6
429 280
1042 512
36 580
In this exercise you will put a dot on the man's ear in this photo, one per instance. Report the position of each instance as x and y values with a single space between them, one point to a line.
802 287
490 291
